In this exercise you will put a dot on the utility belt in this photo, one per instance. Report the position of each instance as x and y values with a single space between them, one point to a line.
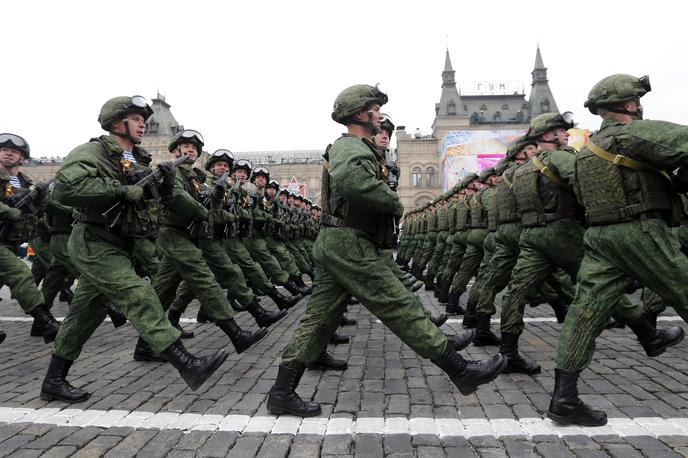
509 218
542 219
631 212
383 236
478 226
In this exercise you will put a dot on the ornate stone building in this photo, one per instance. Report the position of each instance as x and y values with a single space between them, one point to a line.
418 155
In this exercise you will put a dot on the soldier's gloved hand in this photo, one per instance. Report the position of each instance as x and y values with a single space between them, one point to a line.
14 214
167 167
41 187
131 193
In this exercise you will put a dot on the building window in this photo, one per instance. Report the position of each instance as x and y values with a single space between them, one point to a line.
465 108
416 177
451 108
505 107
497 117
544 105
431 177
483 107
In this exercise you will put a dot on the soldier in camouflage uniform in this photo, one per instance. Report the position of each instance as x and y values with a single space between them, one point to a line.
16 227
93 177
359 212
41 250
624 184
187 242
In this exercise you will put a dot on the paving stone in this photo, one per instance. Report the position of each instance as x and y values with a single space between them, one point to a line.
218 444
246 446
98 446
368 445
275 446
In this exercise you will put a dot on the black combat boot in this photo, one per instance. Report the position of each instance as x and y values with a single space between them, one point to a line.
442 296
461 341
468 375
347 321
560 309
294 289
143 352
326 362
45 323
194 370
283 302
453 307
234 304
470 318
174 316
202 317
116 316
655 341
416 286
2 335
242 340
483 334
55 385
439 320
516 363
429 282
566 408
283 398
298 281
338 339
66 295
651 317
263 317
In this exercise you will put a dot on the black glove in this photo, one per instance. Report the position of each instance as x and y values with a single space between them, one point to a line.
167 167
41 187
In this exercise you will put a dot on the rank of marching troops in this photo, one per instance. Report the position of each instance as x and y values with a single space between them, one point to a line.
575 230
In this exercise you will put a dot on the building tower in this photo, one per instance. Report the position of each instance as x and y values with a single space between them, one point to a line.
541 99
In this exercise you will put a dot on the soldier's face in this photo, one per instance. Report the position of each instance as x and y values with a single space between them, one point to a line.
382 139
525 154
314 212
492 180
260 181
291 200
282 198
271 192
372 114
219 168
136 123
563 136
241 175
188 149
9 157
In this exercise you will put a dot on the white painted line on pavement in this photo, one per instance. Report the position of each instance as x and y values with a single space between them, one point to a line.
348 426
546 319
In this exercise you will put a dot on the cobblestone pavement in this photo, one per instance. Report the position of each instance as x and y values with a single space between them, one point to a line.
388 402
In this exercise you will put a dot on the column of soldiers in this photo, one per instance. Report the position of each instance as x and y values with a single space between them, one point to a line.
577 230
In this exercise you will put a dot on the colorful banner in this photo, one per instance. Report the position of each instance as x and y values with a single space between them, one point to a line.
466 151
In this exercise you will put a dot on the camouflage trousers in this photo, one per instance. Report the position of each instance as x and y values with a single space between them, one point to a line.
41 260
106 275
458 249
437 258
489 248
260 252
146 257
428 248
348 263
227 274
284 257
404 245
18 278
644 249
417 253
541 253
183 259
302 261
471 260
253 272
61 271
652 302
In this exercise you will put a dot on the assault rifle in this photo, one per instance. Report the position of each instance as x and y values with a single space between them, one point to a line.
232 205
218 189
149 183
26 202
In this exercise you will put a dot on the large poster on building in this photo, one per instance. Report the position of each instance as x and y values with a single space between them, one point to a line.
466 151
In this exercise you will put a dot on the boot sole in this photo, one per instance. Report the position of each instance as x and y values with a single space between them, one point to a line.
52 397
318 367
568 421
148 359
486 344
663 348
473 388
216 363
281 411
507 370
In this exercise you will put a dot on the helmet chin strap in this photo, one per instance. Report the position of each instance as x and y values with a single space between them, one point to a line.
638 114
127 133
368 125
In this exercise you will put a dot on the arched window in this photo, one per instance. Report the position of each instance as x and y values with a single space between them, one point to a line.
483 107
416 177
430 180
544 105
505 107
497 117
451 108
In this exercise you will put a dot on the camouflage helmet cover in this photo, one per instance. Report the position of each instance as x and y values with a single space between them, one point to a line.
516 146
485 174
616 88
468 179
356 98
547 122
118 107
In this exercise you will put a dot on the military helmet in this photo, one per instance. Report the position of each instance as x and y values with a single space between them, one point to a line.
549 121
243 164
616 88
468 179
284 190
118 107
517 145
187 136
274 184
220 155
16 142
387 124
260 171
502 165
316 206
485 174
354 99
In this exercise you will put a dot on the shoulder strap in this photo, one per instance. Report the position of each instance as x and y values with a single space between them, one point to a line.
623 161
545 170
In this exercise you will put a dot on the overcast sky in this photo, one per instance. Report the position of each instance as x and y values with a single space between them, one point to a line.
263 75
